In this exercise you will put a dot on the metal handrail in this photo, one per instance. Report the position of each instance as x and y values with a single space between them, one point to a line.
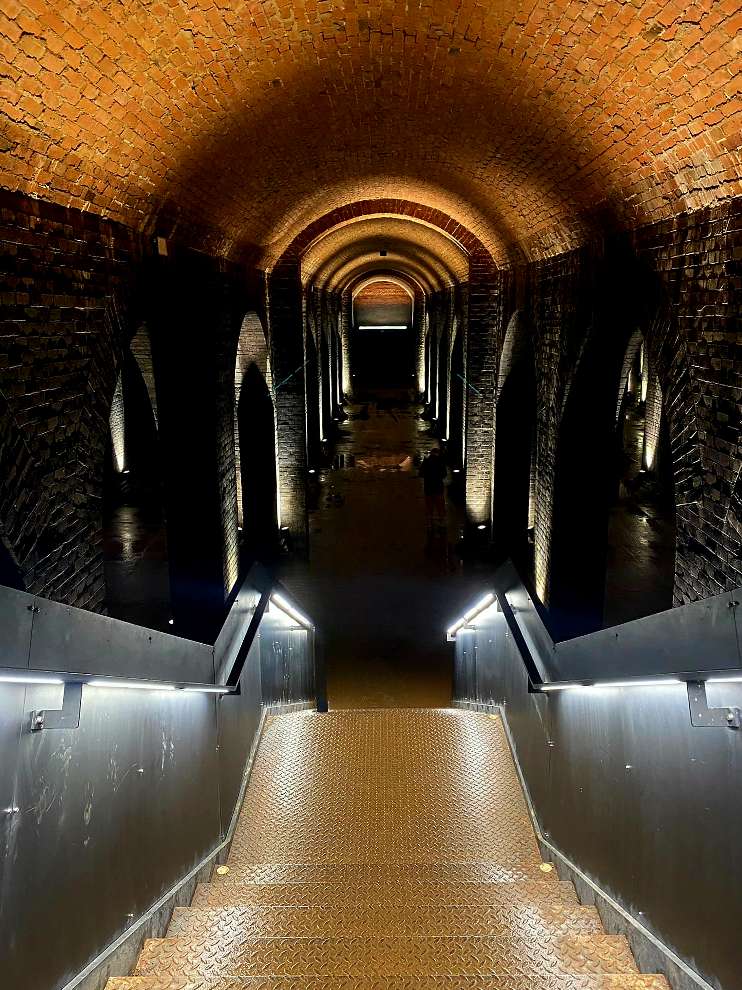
230 684
537 683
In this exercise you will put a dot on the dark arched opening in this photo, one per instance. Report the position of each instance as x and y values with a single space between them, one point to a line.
584 478
514 444
456 415
312 399
257 440
134 530
326 385
641 533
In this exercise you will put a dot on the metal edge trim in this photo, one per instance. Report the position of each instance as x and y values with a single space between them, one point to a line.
629 918
142 920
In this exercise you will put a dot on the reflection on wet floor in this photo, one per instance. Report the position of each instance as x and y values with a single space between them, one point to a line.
641 540
136 568
380 589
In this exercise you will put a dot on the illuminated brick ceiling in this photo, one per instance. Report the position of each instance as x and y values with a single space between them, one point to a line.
235 124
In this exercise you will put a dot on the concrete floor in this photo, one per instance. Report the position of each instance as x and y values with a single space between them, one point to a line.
380 589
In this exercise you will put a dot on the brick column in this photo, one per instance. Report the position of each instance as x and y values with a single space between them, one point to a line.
287 349
194 316
484 336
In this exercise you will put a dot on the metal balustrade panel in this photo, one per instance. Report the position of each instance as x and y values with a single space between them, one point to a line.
645 803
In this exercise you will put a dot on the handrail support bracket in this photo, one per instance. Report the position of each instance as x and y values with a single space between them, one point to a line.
66 717
701 716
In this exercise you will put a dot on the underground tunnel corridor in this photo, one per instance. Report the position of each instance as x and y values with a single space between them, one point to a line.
379 584
258 262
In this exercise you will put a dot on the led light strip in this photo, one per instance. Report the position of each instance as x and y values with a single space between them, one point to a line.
29 679
481 605
288 609
577 686
112 683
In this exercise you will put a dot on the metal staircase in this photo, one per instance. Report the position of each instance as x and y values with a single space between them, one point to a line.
388 849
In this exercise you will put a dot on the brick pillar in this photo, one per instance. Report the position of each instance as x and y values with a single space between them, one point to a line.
484 335
194 320
652 419
287 349
346 320
419 332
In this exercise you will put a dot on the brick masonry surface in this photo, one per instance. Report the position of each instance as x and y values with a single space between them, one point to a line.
72 300
236 124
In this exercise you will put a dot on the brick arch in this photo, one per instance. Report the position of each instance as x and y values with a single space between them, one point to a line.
252 351
585 446
635 342
403 267
373 279
436 277
517 346
468 241
374 232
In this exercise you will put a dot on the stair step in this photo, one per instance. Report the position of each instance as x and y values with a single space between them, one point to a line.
530 959
230 892
513 870
230 925
610 981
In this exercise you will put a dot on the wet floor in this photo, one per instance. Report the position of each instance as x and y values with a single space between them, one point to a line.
641 541
380 588
136 567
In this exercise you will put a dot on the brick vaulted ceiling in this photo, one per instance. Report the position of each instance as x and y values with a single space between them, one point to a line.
238 123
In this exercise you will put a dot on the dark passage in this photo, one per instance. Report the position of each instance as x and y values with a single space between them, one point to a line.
378 587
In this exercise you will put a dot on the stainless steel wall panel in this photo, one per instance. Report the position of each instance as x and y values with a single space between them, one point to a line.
648 806
12 706
696 636
71 639
16 620
644 803
287 669
111 815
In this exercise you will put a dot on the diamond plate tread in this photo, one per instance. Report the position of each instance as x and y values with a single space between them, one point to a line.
511 871
612 981
234 924
418 892
526 960
385 786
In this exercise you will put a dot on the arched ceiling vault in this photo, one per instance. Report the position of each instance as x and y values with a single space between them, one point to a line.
371 247
400 263
383 233
402 283
236 125
378 273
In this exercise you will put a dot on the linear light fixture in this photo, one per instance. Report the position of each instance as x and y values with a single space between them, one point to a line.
115 684
482 604
598 685
29 678
216 689
383 326
733 679
288 609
